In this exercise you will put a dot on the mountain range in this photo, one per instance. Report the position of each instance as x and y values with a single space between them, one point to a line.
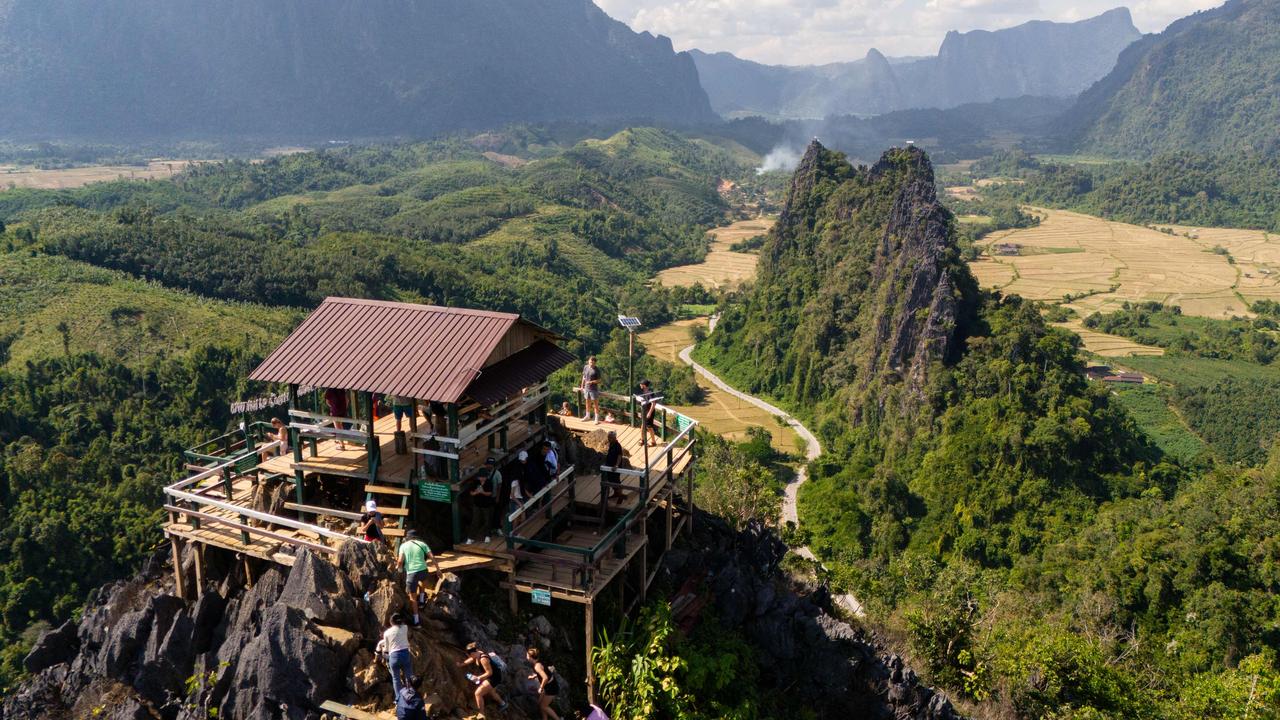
1208 83
320 68
1037 58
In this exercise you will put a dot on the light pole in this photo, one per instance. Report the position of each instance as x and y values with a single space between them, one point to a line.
630 324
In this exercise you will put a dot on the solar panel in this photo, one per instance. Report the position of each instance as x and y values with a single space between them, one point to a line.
629 323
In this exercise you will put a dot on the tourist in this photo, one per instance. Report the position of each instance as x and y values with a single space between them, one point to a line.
409 704
401 407
371 523
484 498
591 712
415 556
279 432
612 456
518 493
591 378
535 472
552 460
488 677
394 645
336 401
648 412
548 684
565 410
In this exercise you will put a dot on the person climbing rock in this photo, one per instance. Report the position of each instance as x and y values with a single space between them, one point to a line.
394 645
416 558
487 677
372 522
409 704
548 684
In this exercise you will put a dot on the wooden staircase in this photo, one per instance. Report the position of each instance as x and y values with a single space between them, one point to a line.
393 496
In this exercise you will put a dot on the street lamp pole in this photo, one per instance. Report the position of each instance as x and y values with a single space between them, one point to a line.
630 324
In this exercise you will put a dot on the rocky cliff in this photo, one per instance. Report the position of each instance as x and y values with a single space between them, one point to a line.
1043 59
295 638
326 68
861 287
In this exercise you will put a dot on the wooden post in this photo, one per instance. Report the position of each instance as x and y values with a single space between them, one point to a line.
591 673
689 471
513 599
176 544
413 430
671 511
371 442
295 437
199 553
455 473
248 571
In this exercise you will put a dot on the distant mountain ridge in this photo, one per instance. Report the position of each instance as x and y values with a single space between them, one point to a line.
1208 83
329 67
1038 58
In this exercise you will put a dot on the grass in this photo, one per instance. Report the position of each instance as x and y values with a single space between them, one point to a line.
691 310
1150 409
722 267
1200 371
116 316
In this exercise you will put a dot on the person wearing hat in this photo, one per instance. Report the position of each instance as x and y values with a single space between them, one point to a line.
648 411
371 523
484 499
415 556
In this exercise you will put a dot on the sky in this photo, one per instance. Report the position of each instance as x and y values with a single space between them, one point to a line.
801 32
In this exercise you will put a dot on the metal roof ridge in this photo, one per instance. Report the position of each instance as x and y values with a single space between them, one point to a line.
420 307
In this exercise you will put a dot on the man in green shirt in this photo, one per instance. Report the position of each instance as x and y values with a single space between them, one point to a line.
415 556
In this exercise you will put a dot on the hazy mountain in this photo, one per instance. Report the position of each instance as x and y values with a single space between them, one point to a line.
329 67
1038 58
1208 83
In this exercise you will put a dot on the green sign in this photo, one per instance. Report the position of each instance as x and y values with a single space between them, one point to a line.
435 492
542 597
683 422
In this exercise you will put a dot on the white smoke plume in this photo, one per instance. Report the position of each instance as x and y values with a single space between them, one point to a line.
782 157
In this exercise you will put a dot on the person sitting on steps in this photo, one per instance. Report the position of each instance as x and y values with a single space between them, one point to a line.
415 556
489 675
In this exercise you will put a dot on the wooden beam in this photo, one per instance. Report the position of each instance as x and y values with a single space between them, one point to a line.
318 510
199 555
176 544
219 520
589 621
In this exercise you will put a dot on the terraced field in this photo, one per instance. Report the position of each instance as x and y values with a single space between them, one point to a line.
723 268
1109 263
24 177
720 412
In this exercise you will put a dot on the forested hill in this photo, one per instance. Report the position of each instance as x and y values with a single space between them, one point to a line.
328 68
989 504
860 282
1207 83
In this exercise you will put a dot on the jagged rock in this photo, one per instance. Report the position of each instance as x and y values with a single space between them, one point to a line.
344 641
360 564
366 673
386 599
53 648
541 625
286 664
315 587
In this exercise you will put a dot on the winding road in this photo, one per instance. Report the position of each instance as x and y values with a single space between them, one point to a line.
813 449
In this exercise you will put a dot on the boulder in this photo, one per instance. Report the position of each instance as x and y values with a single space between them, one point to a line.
53 648
315 587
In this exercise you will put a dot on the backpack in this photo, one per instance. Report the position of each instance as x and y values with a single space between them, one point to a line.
499 668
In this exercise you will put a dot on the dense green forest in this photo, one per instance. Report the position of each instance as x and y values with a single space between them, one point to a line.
130 312
1227 190
1000 512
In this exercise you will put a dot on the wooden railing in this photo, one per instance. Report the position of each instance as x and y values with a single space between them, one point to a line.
186 499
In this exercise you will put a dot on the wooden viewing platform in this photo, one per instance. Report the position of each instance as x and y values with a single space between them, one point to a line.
481 392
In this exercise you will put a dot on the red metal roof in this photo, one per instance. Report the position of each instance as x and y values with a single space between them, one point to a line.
505 378
418 351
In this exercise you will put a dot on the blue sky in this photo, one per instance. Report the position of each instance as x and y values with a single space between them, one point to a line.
796 32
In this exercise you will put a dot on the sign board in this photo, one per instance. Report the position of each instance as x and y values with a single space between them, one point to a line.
542 597
435 492
683 422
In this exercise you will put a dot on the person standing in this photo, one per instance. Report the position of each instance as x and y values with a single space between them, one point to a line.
610 479
535 472
395 646
415 556
552 460
401 407
648 410
591 378
336 401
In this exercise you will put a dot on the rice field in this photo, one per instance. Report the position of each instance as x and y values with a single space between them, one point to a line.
719 412
1103 264
723 268
27 177
1109 346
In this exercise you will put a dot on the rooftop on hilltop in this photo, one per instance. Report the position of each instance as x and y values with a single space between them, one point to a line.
426 352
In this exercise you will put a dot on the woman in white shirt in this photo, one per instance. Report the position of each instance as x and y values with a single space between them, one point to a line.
395 644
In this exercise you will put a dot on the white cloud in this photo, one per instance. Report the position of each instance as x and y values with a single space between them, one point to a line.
818 31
